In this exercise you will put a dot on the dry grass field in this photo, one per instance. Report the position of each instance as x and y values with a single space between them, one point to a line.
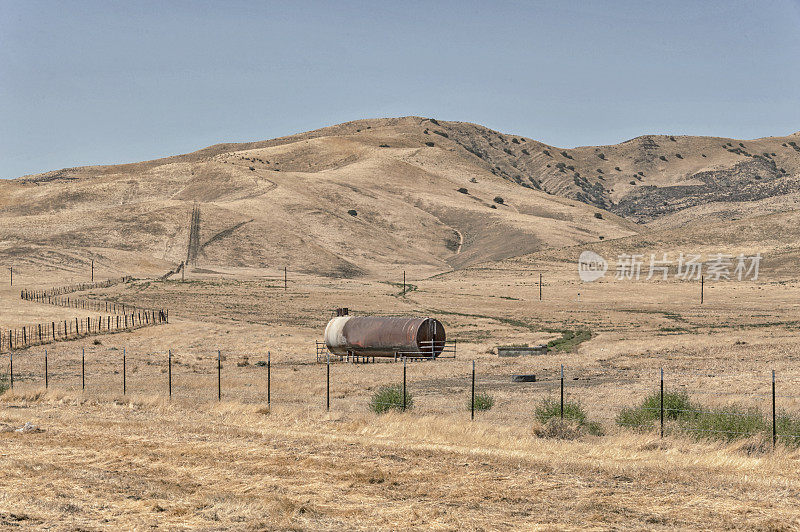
472 217
142 460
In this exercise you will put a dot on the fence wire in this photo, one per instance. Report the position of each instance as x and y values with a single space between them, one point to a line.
631 399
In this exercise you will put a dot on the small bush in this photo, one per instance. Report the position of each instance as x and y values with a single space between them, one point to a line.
662 158
676 405
526 152
252 168
384 146
498 199
672 139
548 412
567 155
463 190
390 398
598 215
679 156
633 182
441 133
473 180
514 141
601 156
483 401
546 152
352 212
617 168
550 408
726 423
429 144
492 206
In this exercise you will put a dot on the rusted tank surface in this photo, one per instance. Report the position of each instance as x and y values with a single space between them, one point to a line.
385 336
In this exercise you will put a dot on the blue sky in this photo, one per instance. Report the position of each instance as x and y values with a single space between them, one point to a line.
111 82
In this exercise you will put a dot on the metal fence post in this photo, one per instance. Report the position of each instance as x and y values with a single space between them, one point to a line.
562 391
169 371
269 371
662 402
328 387
774 421
472 404
46 380
83 368
11 368
124 367
219 375
404 385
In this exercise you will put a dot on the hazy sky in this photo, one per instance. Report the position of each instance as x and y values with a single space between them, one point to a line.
106 82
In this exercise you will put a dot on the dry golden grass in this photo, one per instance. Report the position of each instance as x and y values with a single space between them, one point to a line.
108 460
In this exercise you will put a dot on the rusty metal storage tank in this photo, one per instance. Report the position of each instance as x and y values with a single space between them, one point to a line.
379 336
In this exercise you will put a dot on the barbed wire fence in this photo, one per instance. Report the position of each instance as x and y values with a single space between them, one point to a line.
704 403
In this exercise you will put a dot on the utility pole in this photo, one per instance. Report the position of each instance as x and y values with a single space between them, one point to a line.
702 288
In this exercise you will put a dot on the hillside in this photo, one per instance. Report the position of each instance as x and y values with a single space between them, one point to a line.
382 195
348 200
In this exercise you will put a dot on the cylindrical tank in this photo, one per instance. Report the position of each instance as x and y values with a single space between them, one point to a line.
385 336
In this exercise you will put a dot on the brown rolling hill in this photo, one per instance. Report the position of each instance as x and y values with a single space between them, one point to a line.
378 195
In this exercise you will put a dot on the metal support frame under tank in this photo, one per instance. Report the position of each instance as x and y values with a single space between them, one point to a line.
449 350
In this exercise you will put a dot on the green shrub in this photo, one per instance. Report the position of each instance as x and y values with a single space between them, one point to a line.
676 405
728 422
725 423
352 212
550 408
463 190
388 398
548 412
483 401
598 215
498 199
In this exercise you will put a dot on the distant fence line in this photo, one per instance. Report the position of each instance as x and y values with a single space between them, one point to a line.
61 290
125 318
45 297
